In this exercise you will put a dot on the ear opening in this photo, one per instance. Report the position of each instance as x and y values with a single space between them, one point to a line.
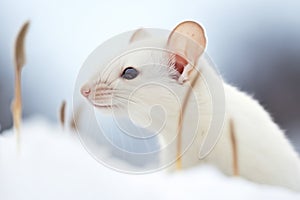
179 63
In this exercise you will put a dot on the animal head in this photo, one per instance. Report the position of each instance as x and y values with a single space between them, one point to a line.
146 74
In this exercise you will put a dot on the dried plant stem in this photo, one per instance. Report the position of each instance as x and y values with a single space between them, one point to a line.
75 117
17 107
62 114
181 116
19 61
235 164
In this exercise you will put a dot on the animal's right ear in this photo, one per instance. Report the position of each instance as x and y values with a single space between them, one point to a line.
139 34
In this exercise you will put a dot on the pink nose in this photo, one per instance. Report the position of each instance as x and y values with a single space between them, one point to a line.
85 91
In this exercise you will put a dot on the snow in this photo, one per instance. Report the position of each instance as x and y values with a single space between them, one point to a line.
52 164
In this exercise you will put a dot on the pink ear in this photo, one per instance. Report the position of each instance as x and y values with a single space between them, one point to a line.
180 63
187 41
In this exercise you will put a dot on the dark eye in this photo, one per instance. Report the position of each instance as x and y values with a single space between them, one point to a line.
129 73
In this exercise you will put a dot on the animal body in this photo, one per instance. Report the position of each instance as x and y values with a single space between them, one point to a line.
250 145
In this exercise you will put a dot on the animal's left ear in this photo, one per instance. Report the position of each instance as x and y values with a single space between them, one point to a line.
187 42
139 34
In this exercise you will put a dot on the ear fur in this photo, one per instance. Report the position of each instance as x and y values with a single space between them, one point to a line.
187 41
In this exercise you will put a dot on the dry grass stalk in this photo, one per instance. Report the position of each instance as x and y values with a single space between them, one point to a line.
62 113
181 116
235 163
19 62
75 117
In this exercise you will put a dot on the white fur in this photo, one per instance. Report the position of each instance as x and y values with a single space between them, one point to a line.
264 154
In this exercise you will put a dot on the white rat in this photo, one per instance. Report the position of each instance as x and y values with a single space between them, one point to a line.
251 145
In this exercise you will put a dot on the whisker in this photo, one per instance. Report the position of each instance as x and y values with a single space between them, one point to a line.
103 88
123 91
119 96
98 81
120 102
110 73
127 99
111 82
103 94
101 99
108 76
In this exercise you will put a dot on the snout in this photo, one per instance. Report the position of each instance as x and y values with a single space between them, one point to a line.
98 95
85 90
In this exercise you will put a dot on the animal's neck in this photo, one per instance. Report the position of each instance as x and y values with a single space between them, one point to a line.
195 117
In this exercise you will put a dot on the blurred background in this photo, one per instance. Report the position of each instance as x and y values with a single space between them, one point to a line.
255 45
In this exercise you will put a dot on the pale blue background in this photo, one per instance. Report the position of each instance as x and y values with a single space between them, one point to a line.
255 44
